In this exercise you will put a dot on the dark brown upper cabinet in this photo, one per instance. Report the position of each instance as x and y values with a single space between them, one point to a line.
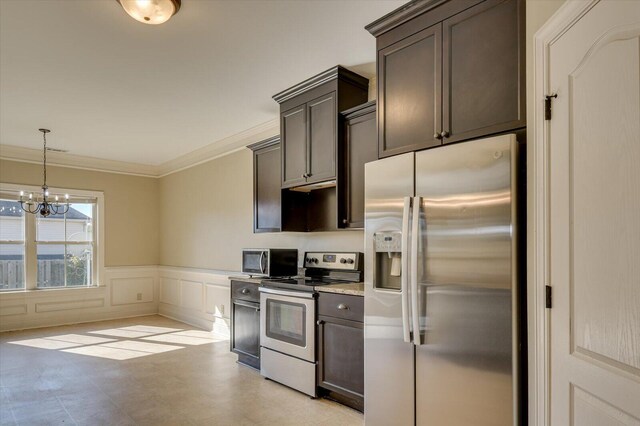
310 125
410 105
449 71
360 147
266 185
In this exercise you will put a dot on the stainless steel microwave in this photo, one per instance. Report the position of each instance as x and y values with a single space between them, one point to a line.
270 262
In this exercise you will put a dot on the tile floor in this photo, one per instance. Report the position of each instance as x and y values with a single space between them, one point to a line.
143 371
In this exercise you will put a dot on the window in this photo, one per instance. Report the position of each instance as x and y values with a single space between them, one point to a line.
11 245
57 251
64 247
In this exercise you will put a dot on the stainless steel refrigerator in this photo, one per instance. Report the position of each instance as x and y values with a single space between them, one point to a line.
441 302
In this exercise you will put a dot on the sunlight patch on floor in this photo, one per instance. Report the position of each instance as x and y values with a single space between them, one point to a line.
181 338
112 348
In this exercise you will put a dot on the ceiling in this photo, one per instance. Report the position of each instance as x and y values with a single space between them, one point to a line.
112 88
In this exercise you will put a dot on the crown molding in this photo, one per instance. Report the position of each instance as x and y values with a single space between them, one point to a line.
62 159
207 153
221 148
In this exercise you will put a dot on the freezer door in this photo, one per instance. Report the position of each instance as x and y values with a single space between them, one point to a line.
466 280
389 355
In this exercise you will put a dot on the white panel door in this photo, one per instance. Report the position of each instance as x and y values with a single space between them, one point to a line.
594 218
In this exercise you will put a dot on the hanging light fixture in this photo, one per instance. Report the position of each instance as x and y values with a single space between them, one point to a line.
41 204
152 12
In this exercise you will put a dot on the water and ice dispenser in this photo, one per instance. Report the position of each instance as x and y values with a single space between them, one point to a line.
388 259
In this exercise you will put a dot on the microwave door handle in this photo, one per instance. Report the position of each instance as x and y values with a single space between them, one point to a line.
262 265
415 236
404 270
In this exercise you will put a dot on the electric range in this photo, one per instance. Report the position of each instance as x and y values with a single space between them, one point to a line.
288 317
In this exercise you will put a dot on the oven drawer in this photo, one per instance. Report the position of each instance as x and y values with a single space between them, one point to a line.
343 306
242 290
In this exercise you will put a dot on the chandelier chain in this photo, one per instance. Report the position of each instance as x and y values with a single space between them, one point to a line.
44 156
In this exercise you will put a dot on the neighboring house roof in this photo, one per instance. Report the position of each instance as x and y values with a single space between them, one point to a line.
11 208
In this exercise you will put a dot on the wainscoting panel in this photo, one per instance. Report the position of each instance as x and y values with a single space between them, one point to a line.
69 305
196 297
170 291
125 292
19 309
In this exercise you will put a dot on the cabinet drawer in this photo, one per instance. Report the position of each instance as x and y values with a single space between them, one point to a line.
341 306
245 291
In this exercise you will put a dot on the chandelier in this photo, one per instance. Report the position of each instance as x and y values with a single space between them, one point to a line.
41 204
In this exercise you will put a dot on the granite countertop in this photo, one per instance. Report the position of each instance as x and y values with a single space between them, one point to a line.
354 289
247 279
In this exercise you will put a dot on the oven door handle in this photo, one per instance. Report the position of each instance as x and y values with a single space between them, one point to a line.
279 292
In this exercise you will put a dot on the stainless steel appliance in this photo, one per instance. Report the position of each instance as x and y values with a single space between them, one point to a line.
270 262
288 318
441 292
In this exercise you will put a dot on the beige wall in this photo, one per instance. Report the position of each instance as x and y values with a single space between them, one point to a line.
207 214
131 213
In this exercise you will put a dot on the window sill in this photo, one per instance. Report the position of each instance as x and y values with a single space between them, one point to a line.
50 292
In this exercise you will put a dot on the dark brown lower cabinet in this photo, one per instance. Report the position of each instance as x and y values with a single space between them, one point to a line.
245 323
341 350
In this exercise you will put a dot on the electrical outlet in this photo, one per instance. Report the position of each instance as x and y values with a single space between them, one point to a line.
139 296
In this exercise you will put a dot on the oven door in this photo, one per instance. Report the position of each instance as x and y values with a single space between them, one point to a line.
287 322
255 262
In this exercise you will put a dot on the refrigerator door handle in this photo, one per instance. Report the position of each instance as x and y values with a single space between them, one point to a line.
404 272
415 236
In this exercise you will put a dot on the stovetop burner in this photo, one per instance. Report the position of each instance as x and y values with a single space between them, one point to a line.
301 283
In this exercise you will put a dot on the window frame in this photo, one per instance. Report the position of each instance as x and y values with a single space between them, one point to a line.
31 243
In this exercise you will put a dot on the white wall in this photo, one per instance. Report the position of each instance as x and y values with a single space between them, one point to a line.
129 291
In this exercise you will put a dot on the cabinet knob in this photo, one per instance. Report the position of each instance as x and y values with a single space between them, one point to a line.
343 306
436 136
245 291
444 134
345 221
306 175
320 322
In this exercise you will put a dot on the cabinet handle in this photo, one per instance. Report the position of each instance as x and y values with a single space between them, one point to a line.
343 306
320 322
444 134
437 136
306 175
345 221
245 291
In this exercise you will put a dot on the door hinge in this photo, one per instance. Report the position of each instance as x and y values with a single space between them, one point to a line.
547 106
547 296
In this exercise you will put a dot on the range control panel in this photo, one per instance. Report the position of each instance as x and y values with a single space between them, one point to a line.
348 261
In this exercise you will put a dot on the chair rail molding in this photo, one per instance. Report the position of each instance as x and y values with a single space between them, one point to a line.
538 212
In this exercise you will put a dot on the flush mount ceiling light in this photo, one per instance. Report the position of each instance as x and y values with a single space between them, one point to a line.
152 12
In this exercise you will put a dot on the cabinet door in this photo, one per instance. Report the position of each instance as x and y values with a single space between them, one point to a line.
246 328
341 357
293 126
483 81
322 138
360 147
409 93
266 203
